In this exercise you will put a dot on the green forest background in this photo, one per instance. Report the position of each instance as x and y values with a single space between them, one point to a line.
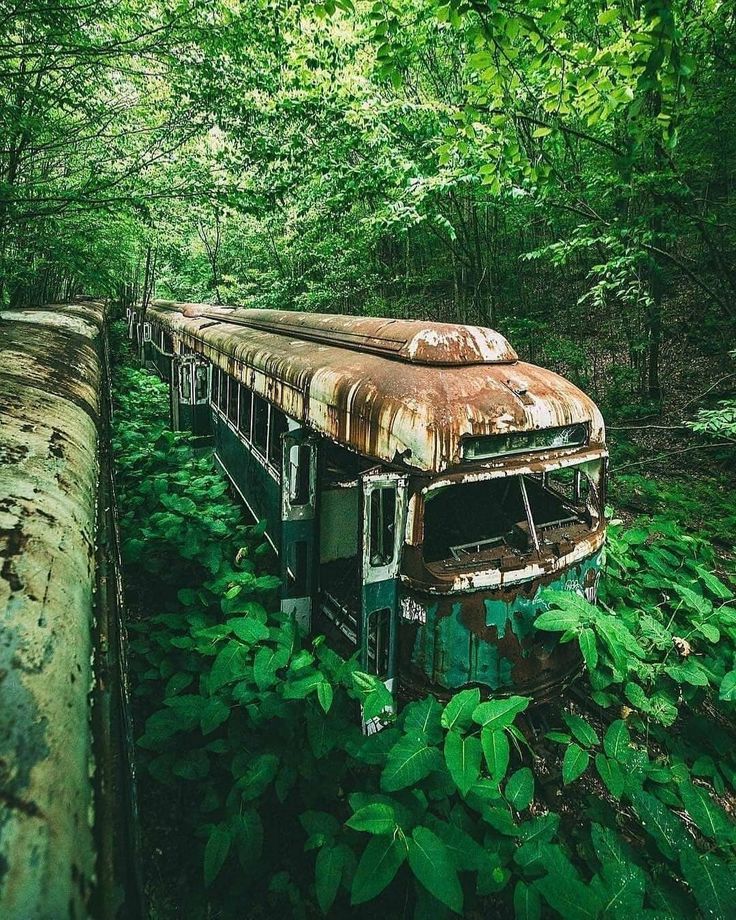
562 171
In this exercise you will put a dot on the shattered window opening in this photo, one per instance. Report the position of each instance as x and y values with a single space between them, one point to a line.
487 520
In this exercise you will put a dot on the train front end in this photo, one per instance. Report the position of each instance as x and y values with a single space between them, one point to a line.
515 513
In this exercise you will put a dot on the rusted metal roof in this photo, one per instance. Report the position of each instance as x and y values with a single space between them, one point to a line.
49 392
393 411
411 341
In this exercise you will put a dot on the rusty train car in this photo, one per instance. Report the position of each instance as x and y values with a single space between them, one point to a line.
67 815
420 482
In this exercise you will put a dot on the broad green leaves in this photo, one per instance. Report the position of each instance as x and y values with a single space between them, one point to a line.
408 762
462 756
496 714
431 863
574 763
378 865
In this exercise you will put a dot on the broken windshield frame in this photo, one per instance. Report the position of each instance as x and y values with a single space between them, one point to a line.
498 518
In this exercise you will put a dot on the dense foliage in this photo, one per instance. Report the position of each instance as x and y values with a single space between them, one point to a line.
615 804
563 170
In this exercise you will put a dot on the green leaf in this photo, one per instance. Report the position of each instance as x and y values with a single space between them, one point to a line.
727 691
228 666
709 817
714 584
588 647
215 852
574 763
558 620
582 730
376 818
462 756
248 629
658 821
422 717
215 713
520 789
458 713
527 903
378 865
431 864
408 762
496 752
617 741
611 774
541 131
325 695
328 872
500 713
712 881
258 776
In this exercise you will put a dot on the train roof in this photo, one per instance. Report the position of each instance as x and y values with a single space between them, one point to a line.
400 391
50 383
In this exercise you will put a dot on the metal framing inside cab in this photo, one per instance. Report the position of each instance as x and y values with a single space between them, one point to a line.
420 482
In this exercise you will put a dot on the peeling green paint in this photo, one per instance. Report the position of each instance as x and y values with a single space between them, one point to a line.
452 655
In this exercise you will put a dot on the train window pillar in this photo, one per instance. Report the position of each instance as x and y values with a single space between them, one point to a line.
146 332
299 524
222 396
382 535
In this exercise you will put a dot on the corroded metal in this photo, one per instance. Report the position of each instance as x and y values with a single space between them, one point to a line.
390 410
50 383
408 395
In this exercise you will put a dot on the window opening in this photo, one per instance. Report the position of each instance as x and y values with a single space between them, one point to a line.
278 427
300 456
200 383
185 381
511 515
260 423
232 400
244 417
215 385
382 525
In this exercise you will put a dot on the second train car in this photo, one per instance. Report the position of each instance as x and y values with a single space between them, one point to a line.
421 483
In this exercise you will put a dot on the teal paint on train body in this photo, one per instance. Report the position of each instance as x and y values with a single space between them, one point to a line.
482 639
254 482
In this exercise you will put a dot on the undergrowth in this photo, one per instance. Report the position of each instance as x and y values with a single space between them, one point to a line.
616 808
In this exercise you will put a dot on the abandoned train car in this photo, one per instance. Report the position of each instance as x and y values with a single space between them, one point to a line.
67 815
421 483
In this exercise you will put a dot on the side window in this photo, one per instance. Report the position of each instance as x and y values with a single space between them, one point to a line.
379 642
215 395
300 456
200 383
232 400
278 426
382 525
245 404
185 382
260 423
